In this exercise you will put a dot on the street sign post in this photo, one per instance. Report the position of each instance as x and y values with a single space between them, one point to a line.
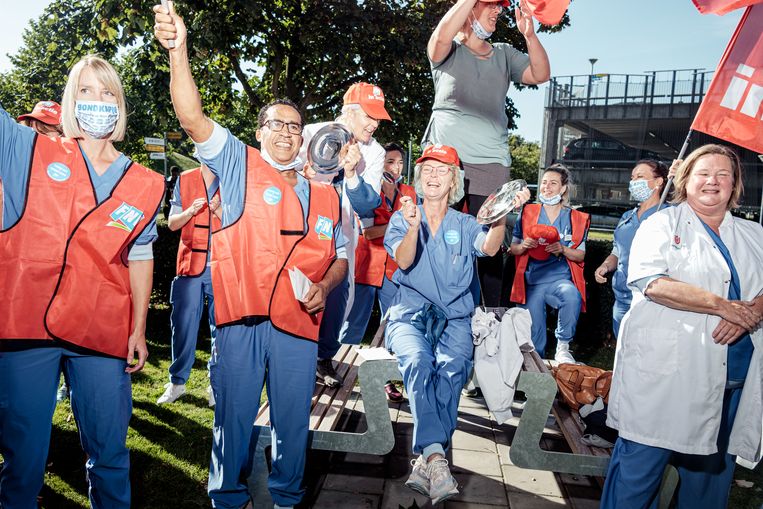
158 155
154 141
174 136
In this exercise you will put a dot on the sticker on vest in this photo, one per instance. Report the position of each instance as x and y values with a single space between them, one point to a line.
59 172
324 227
272 195
452 237
125 217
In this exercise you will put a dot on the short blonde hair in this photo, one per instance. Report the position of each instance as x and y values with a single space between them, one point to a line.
107 75
456 192
685 169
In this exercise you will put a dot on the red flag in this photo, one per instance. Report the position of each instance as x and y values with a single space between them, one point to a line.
721 7
550 12
731 109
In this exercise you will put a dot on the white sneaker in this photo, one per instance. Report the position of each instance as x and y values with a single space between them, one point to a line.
418 480
171 393
442 485
563 355
210 395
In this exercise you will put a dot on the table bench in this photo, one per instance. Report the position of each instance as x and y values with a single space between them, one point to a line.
326 413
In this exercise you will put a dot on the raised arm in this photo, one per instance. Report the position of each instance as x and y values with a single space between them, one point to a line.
450 24
185 96
539 70
494 237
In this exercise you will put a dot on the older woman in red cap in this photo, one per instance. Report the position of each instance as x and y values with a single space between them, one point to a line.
429 319
463 61
549 246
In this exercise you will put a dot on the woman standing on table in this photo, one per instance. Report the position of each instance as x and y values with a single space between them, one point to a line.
648 179
77 277
688 374
429 321
471 79
549 246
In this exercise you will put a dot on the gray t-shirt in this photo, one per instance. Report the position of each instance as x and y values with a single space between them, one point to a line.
469 104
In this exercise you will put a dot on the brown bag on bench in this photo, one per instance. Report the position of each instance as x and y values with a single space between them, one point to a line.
582 385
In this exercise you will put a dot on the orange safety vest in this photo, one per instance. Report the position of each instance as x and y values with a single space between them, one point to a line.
580 223
193 250
372 262
251 258
63 265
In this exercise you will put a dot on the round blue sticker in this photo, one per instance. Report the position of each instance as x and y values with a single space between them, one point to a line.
452 236
59 172
272 195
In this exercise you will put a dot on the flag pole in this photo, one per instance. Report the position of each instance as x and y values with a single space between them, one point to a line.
669 184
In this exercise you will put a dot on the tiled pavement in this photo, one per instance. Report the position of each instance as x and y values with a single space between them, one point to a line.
479 461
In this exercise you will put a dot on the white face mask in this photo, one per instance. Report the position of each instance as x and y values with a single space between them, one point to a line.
553 200
296 164
96 118
480 31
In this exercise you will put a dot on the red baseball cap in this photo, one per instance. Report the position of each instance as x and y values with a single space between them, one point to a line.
545 234
47 112
504 3
369 97
440 152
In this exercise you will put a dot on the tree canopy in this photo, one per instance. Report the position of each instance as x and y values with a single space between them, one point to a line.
243 54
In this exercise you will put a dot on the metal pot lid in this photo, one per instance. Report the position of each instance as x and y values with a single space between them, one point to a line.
501 202
324 148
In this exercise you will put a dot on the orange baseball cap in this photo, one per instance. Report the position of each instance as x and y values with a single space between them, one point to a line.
47 112
440 152
545 234
369 97
504 3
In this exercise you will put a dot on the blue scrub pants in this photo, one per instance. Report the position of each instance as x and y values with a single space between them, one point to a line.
187 299
635 471
101 399
618 312
333 317
433 379
354 328
562 295
245 357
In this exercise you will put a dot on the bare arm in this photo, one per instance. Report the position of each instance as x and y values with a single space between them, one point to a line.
450 24
177 221
679 295
406 251
608 265
315 300
495 237
141 279
539 70
374 232
185 96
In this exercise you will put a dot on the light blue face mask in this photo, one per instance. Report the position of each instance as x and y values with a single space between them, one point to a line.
550 201
296 164
640 190
391 178
96 118
480 31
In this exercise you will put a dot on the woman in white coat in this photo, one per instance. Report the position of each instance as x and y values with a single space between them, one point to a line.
687 381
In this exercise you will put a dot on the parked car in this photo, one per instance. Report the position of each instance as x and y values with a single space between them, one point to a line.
604 217
602 152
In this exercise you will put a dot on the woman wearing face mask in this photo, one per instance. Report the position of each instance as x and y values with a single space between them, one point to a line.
76 265
471 79
648 179
549 246
373 266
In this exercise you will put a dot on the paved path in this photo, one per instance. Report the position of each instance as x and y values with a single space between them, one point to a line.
479 461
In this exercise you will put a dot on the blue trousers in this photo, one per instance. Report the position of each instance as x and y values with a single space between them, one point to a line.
333 317
245 357
618 312
101 399
433 379
635 471
561 295
354 328
187 299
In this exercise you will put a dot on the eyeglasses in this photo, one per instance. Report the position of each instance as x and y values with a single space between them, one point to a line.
440 171
277 126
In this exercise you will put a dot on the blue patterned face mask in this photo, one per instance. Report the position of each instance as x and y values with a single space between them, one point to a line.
640 190
550 201
480 31
96 118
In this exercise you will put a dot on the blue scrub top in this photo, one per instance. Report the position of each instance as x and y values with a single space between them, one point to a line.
554 268
740 352
442 272
229 165
621 247
16 151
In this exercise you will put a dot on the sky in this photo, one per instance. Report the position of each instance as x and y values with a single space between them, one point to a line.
626 36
